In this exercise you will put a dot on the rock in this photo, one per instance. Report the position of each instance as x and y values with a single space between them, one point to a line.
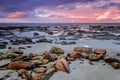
90 62
28 40
53 57
81 62
12 55
29 46
21 71
2 46
110 59
49 65
46 55
22 57
11 75
83 49
4 56
55 50
93 57
84 55
16 43
118 54
62 64
37 58
26 76
1 53
100 51
45 61
9 47
21 48
62 38
68 43
36 34
15 50
4 63
45 40
74 55
40 70
50 33
115 65
50 57
31 55
50 71
36 77
36 62
70 59
20 65
1 57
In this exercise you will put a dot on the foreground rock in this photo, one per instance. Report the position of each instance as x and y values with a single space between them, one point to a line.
55 50
83 49
40 70
15 50
100 51
21 71
62 64
84 55
46 55
93 57
74 55
20 65
24 74
115 65
110 59
37 77
31 55
50 71
4 62
50 57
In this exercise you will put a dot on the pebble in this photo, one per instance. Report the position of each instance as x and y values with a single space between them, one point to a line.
36 77
45 61
40 70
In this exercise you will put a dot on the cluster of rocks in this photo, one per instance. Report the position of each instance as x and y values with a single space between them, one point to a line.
96 55
43 66
44 40
33 66
21 41
28 41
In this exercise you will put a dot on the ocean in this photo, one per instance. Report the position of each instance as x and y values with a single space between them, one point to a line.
55 24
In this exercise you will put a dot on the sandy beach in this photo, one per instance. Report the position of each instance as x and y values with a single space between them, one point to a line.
79 70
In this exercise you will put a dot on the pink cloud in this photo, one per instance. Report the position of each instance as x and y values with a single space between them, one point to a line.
82 13
116 1
86 13
112 14
16 15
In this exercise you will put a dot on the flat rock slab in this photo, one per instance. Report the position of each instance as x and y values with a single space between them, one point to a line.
14 76
4 62
3 73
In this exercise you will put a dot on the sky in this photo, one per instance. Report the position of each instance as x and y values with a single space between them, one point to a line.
59 11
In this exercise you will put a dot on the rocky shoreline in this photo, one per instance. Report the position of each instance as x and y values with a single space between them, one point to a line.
42 67
80 51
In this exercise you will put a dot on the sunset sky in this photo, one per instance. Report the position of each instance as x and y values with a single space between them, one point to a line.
60 11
